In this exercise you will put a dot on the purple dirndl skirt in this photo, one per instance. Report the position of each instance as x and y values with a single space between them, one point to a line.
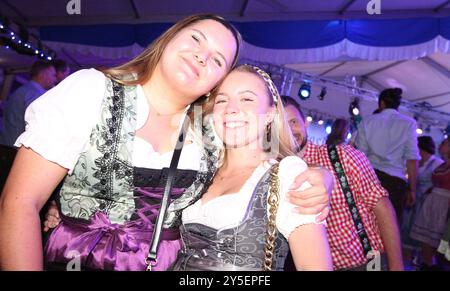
98 244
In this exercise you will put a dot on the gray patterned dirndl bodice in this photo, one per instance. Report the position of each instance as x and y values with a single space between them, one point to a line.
240 248
103 180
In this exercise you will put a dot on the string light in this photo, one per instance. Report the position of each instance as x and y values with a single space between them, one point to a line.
22 46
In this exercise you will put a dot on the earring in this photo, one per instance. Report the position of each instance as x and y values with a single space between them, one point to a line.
208 94
269 131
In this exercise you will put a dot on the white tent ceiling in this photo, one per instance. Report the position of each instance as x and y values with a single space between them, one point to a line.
426 79
422 80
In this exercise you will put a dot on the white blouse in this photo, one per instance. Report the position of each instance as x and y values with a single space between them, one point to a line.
229 210
60 122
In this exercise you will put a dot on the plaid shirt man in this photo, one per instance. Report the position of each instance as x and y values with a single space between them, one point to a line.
346 248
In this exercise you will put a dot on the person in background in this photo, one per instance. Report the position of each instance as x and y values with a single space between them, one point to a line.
43 77
296 120
428 163
444 245
62 70
389 140
354 137
430 223
339 132
376 211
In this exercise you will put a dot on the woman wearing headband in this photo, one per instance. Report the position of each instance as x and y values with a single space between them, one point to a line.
244 220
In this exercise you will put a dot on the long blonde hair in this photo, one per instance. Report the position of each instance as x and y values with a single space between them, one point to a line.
279 128
145 63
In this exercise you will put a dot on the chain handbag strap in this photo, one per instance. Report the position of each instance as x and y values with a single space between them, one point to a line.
349 198
271 235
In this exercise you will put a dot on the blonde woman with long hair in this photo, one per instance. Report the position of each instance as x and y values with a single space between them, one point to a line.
244 220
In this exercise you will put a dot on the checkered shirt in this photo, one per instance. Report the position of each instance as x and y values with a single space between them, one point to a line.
345 245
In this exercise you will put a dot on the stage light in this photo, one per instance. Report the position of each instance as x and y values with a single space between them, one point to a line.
328 125
305 91
419 131
353 109
322 94
320 122
309 118
349 135
49 58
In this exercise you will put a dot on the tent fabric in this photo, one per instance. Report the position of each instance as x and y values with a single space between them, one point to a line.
97 52
279 41
349 49
344 48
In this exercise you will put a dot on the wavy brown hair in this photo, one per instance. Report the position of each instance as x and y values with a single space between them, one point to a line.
145 63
